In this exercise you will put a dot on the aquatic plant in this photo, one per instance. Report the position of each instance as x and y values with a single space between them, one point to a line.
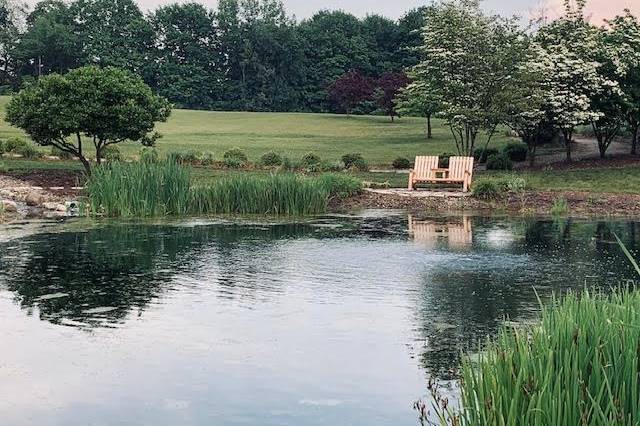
578 366
559 207
164 188
140 189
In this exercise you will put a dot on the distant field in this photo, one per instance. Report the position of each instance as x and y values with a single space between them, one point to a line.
328 135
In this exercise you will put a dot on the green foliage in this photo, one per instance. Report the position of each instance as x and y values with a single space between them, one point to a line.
14 145
401 163
149 155
559 207
355 161
579 365
443 159
63 155
193 157
499 162
107 105
486 189
481 154
271 159
340 185
139 189
235 158
515 151
111 153
310 160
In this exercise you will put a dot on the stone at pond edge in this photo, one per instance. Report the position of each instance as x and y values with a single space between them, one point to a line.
9 206
54 206
33 199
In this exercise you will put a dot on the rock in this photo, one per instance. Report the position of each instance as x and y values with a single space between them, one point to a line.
33 199
9 206
55 207
6 193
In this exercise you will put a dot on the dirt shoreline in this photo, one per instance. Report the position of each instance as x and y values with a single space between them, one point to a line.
531 202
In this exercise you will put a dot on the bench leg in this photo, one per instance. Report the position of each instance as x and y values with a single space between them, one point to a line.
410 186
465 186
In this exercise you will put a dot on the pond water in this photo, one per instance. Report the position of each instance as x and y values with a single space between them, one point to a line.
329 321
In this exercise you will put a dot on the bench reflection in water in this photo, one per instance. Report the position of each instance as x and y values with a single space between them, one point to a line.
457 232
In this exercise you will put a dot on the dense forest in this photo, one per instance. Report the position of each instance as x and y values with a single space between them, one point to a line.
244 55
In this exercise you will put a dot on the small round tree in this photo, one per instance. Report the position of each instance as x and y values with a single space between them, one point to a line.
89 105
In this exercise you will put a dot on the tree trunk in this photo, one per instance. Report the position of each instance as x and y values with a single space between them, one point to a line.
392 118
429 135
86 164
531 154
634 140
567 136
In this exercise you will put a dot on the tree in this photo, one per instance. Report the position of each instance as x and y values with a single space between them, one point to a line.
11 14
467 63
101 106
113 33
333 44
417 99
572 45
624 39
389 86
187 66
49 43
527 114
351 89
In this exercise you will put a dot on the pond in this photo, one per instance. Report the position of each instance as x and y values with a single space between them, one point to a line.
335 320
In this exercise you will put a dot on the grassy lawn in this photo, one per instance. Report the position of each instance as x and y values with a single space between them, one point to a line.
293 135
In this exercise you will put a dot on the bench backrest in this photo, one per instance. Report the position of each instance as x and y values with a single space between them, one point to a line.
461 168
424 165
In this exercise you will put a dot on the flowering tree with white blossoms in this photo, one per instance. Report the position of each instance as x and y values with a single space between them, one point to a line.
623 41
468 65
571 45
418 98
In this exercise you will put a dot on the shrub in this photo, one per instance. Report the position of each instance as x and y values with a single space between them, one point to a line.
401 163
310 160
192 157
481 154
13 144
443 159
271 159
578 365
63 155
486 189
331 166
149 155
499 162
2 149
111 153
355 161
27 151
233 163
515 151
236 155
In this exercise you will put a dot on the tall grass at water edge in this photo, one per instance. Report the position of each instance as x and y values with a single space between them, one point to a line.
165 188
578 366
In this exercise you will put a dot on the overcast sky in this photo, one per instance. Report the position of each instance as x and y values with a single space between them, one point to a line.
597 9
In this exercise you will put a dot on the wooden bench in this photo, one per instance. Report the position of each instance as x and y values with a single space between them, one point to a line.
460 170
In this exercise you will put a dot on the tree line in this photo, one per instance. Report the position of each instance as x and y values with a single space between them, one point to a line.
242 55
480 71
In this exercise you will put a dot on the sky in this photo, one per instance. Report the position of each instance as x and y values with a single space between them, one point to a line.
597 9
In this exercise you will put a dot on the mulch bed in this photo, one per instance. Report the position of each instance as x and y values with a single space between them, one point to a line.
591 163
538 202
51 178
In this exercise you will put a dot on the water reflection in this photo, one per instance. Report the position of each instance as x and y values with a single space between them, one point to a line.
334 320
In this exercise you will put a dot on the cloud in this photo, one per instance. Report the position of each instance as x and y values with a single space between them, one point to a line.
596 10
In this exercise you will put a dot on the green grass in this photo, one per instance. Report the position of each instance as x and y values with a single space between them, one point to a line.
293 135
165 188
579 365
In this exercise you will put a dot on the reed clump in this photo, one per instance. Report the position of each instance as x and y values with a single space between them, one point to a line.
164 188
578 366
